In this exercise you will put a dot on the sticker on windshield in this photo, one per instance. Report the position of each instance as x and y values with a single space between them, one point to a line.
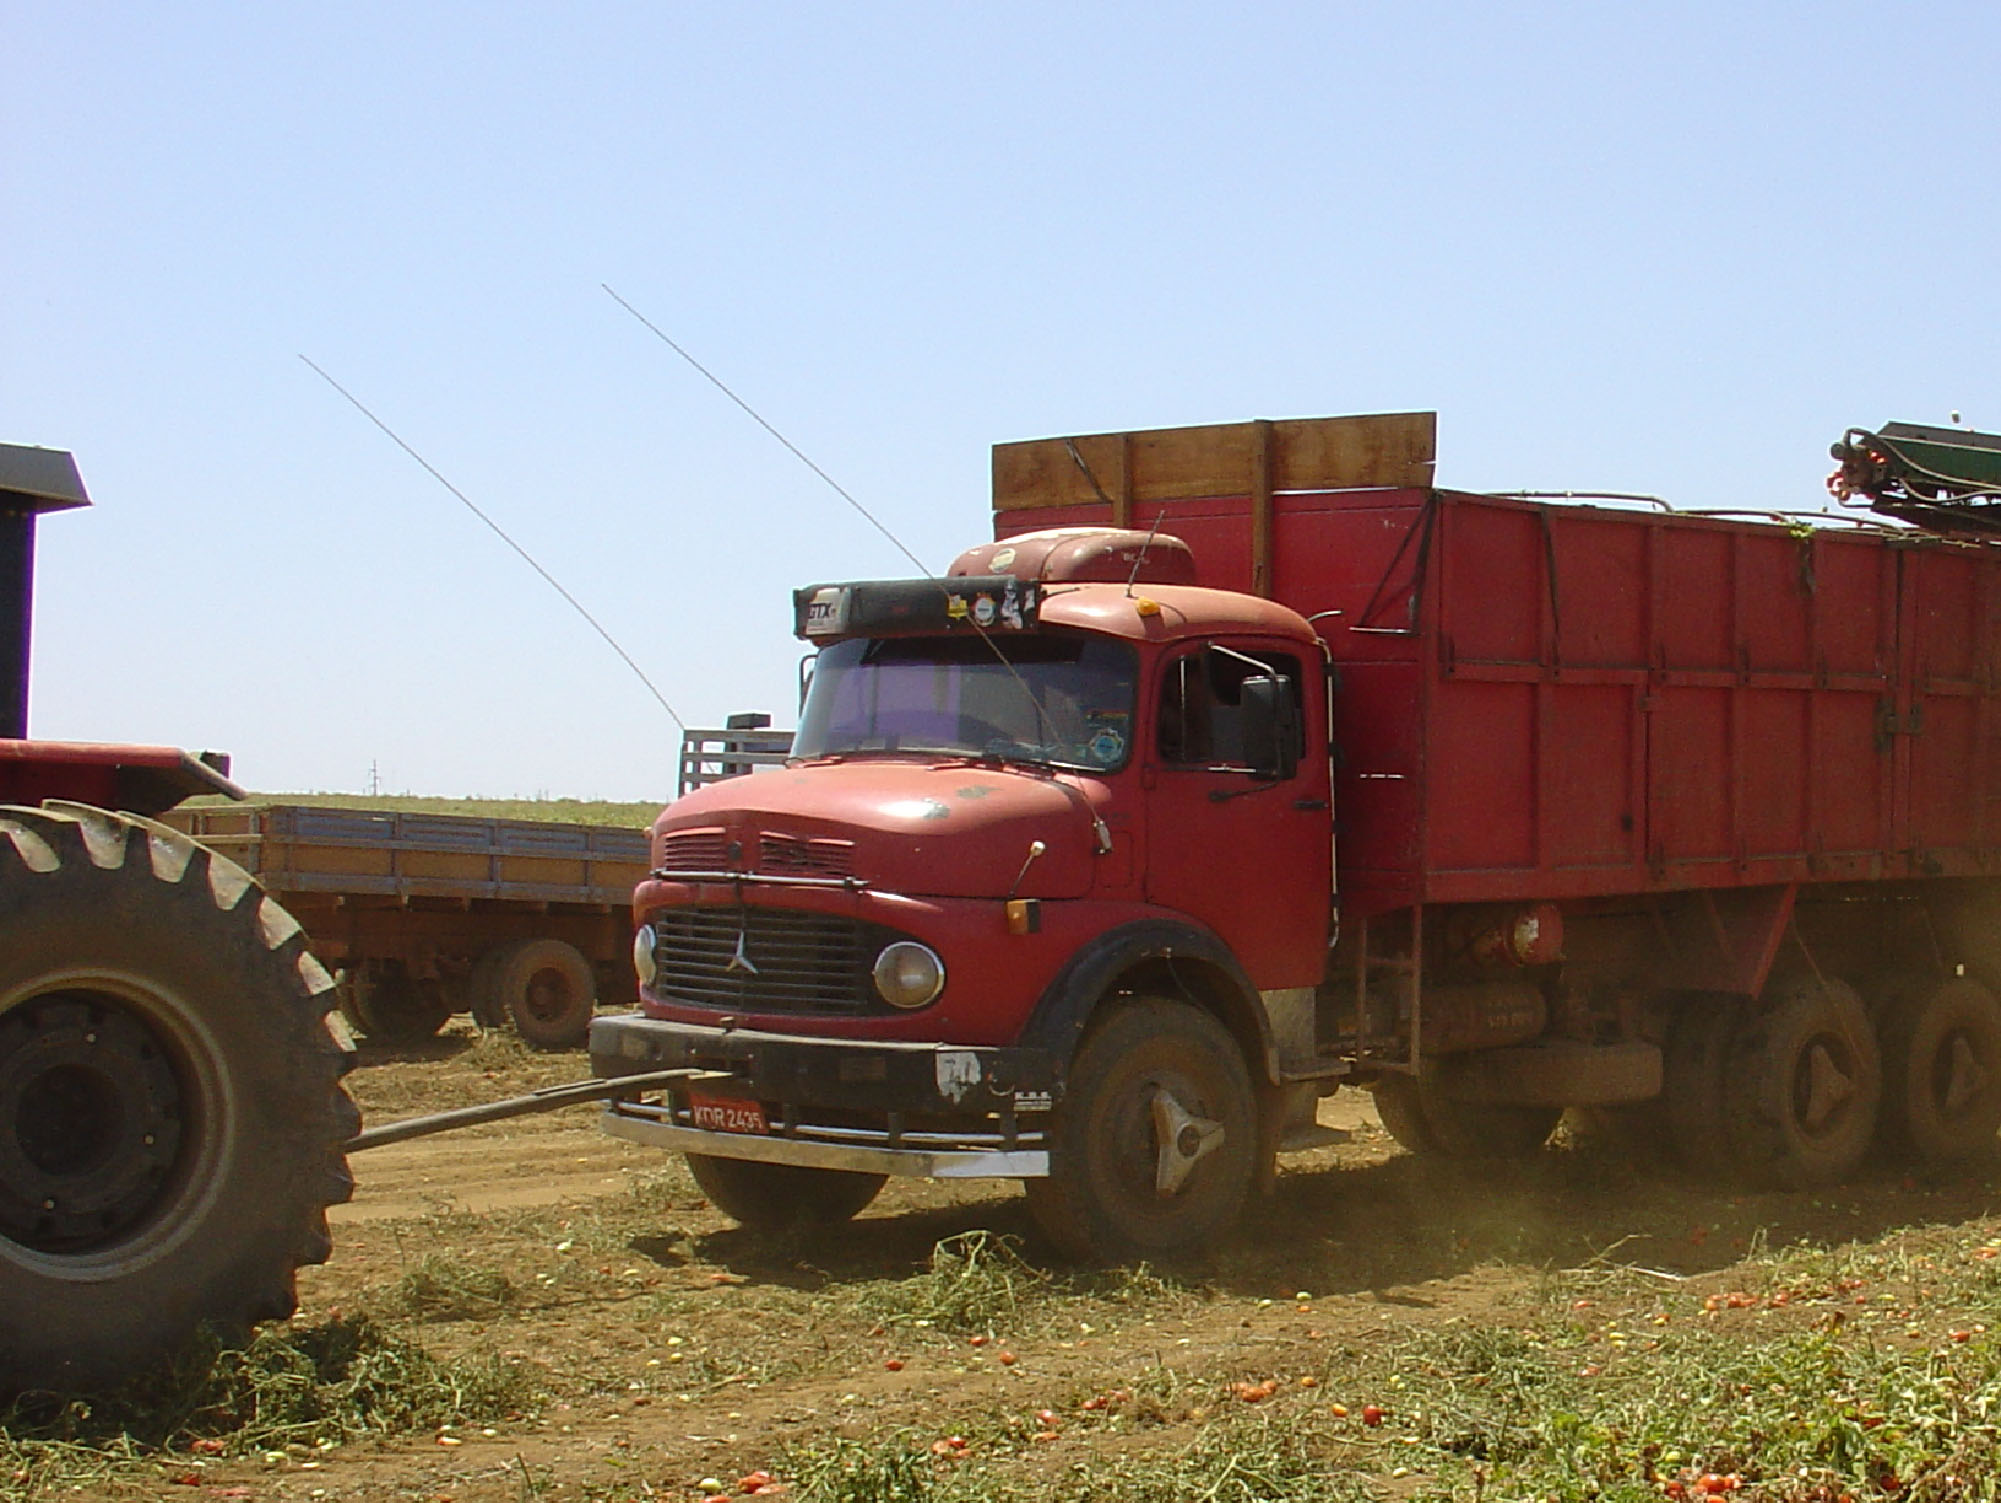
983 610
1106 747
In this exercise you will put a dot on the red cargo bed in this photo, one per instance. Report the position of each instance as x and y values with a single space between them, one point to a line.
1563 701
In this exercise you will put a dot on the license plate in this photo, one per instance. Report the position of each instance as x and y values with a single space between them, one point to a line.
726 1114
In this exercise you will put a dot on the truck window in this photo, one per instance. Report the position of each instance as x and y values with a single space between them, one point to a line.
1056 699
1201 704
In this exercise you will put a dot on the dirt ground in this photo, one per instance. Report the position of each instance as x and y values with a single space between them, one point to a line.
674 1347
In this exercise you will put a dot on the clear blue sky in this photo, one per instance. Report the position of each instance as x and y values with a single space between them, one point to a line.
1673 249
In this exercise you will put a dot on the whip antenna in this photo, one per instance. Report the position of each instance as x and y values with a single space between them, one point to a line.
757 417
499 532
840 490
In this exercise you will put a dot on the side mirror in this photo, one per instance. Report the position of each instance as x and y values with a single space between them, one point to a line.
1271 727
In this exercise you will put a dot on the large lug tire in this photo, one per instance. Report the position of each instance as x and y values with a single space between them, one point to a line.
549 992
1942 1073
172 1124
1426 1121
1694 1091
773 1197
1805 1085
385 1002
1153 1147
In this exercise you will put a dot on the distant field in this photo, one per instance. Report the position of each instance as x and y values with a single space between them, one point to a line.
555 810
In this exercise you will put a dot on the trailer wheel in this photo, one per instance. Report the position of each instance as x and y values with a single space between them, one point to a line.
1424 1120
772 1197
1153 1146
549 991
385 1002
171 1115
1805 1082
482 998
1942 1073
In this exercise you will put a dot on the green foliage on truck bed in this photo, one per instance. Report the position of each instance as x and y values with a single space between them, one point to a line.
630 816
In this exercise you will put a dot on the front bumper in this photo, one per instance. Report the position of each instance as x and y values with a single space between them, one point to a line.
920 1109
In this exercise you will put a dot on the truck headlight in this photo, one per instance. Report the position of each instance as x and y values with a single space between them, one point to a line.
908 974
642 954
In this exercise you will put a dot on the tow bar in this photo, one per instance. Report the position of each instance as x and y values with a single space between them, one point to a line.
548 1099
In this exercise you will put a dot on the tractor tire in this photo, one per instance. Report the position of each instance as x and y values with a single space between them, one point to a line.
1158 1090
548 991
1942 1073
390 1006
1425 1121
773 1197
172 1123
1806 1084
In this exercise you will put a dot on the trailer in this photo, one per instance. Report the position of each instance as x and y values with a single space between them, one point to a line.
519 922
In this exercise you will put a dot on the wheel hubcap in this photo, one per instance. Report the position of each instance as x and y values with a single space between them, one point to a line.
1828 1088
1966 1078
548 996
91 1123
1183 1140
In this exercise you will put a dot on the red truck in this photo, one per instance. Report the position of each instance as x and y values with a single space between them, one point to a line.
1246 764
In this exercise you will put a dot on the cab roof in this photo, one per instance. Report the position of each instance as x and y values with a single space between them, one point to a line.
1183 611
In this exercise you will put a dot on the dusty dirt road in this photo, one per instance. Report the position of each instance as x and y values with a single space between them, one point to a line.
670 1347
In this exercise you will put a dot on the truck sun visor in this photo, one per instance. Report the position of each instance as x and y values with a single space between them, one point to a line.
915 607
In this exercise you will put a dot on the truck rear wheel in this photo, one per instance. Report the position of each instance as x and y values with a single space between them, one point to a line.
1805 1084
549 991
1942 1073
171 1115
1693 1065
1425 1120
771 1197
1153 1146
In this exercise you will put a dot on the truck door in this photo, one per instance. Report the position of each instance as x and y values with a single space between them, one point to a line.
1246 854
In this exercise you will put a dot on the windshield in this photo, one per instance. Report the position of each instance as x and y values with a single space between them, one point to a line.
1062 700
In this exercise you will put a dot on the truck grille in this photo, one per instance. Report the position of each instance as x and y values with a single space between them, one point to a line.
805 962
695 851
796 856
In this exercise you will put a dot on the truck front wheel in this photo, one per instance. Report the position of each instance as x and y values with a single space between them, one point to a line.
1154 1144
770 1197
171 1115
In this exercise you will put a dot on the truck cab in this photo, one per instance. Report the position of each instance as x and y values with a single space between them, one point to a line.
1060 790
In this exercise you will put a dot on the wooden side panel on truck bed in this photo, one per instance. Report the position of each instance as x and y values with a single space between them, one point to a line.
1566 701
303 848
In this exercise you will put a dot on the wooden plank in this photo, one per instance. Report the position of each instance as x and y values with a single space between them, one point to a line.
1178 464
